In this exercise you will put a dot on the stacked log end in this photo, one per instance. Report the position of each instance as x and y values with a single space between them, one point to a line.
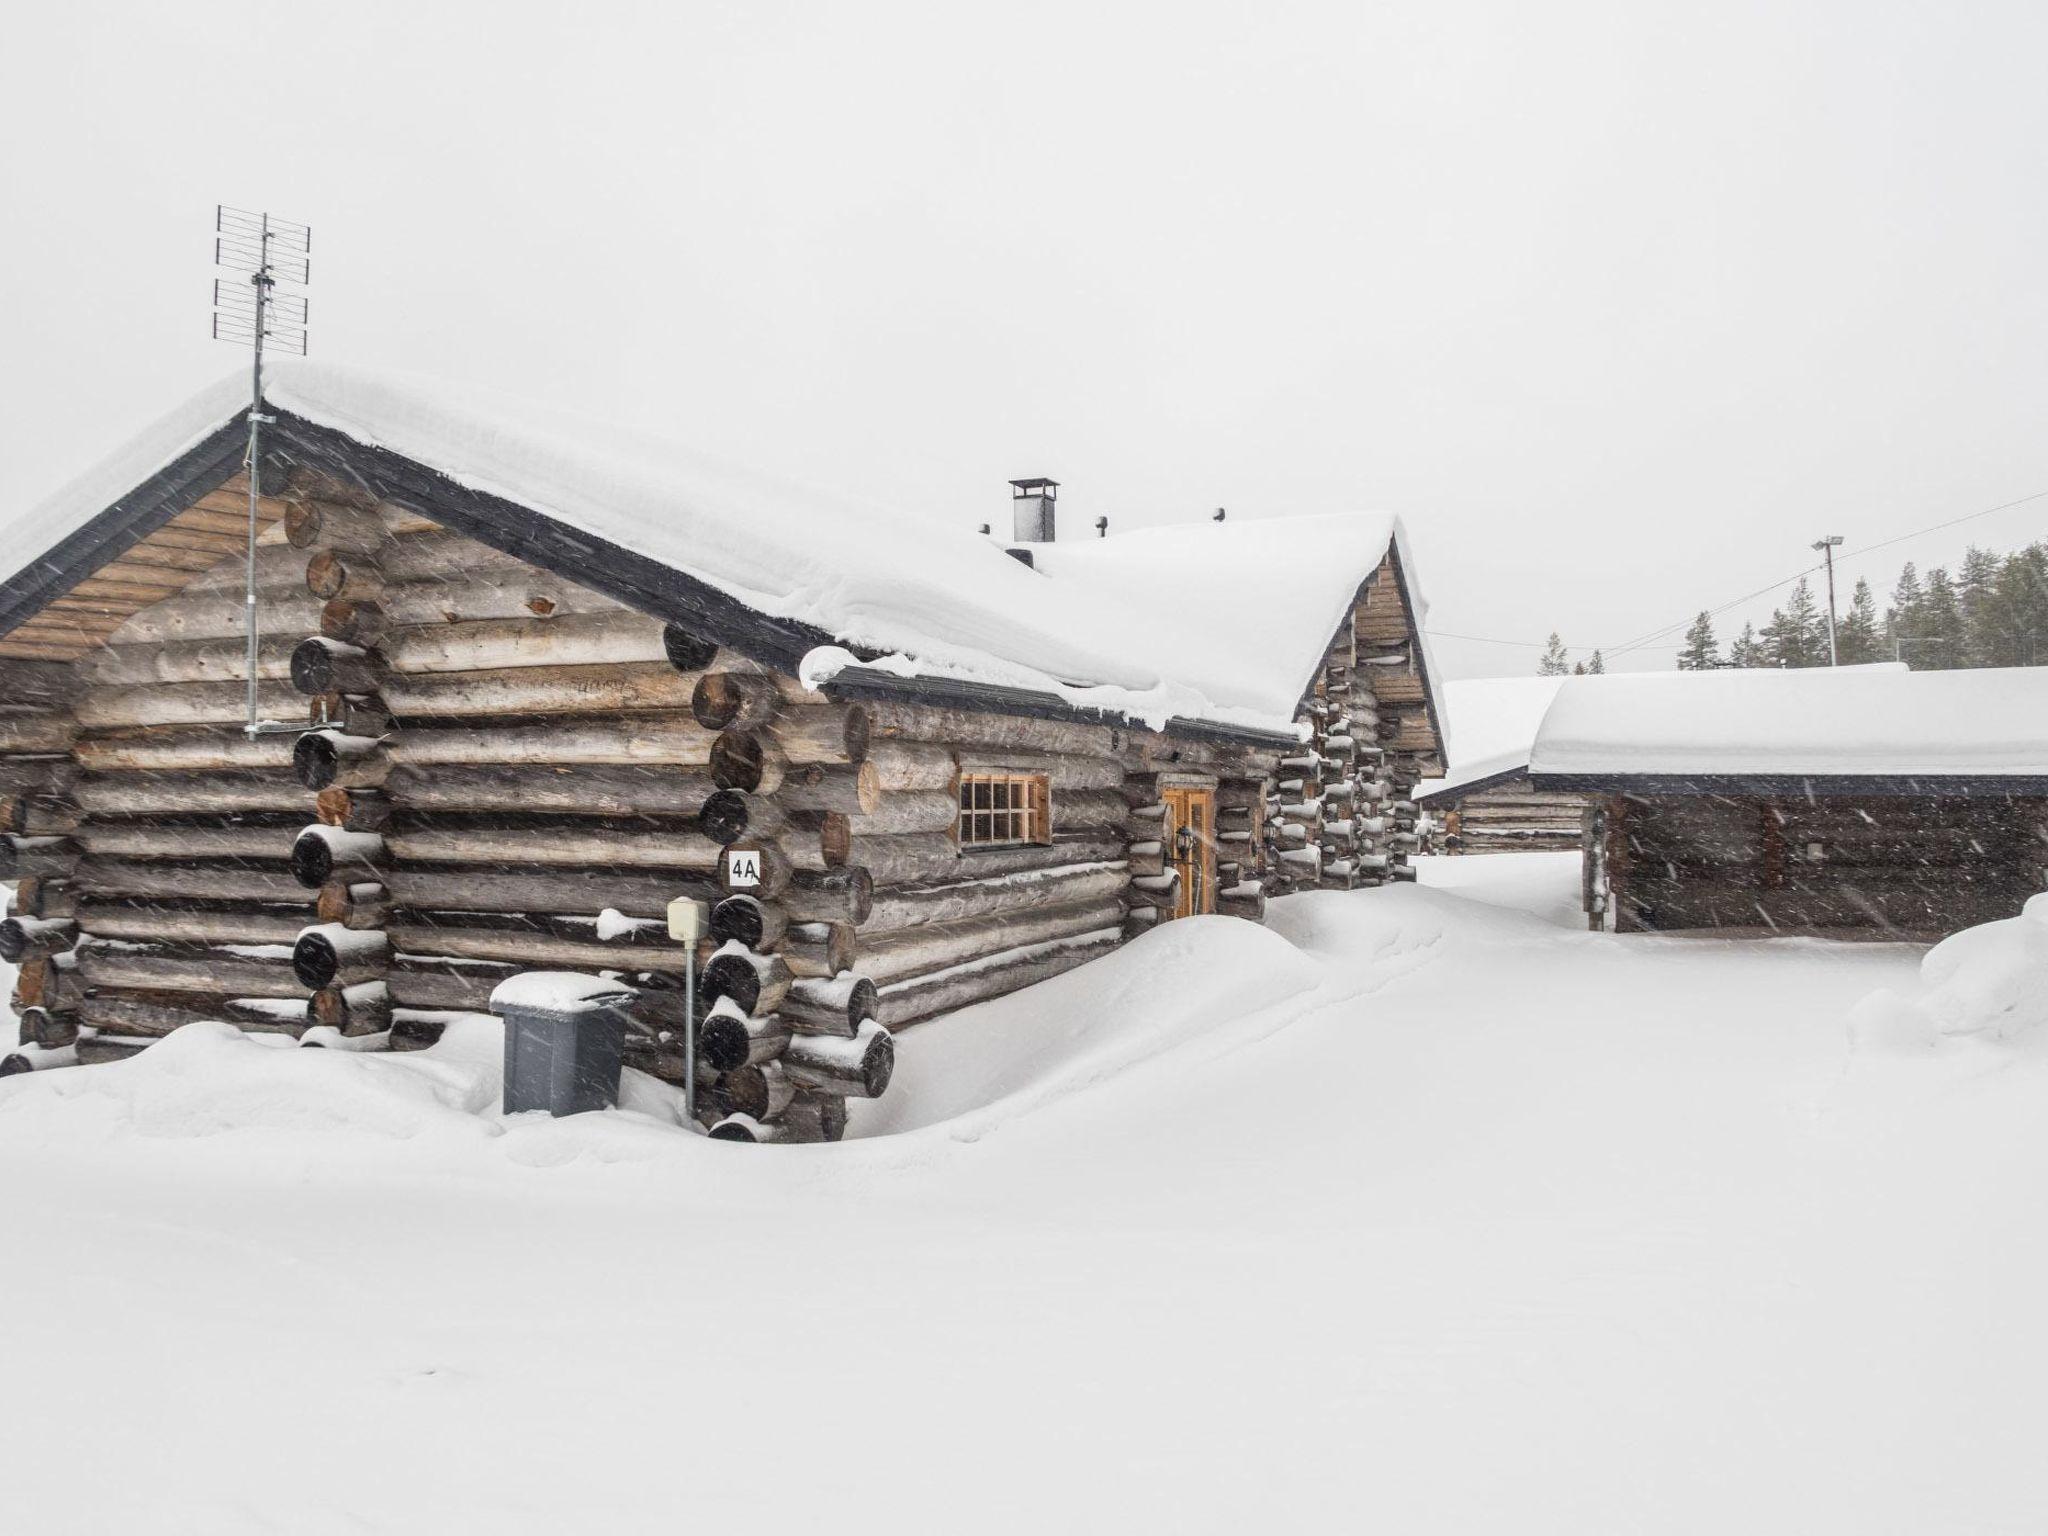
39 852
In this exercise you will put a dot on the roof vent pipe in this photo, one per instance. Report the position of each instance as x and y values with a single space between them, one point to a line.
1031 505
1218 517
1102 527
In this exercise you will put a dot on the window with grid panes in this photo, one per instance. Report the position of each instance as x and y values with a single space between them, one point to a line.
1004 809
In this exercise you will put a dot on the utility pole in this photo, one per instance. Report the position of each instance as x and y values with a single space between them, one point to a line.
1827 548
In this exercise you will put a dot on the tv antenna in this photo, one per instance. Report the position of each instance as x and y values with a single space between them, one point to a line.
248 310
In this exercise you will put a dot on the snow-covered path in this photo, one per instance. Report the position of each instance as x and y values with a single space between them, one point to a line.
1413 1212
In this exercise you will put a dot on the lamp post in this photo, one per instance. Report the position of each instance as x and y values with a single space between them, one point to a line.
1826 547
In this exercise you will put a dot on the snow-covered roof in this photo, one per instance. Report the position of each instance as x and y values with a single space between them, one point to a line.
1495 728
1223 624
1819 723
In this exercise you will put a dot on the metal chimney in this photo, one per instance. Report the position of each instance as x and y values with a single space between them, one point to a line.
1031 503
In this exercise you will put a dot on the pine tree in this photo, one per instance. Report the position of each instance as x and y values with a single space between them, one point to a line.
1856 637
1554 662
1943 638
1700 652
1797 635
1902 619
1747 651
1596 666
1976 595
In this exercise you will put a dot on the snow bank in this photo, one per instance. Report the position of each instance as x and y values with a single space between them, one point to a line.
1987 984
1105 624
1853 720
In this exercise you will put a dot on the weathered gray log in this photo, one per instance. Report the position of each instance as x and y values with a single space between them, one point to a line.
105 1050
190 969
829 896
687 651
37 816
835 1005
364 1009
351 714
583 790
39 732
857 1068
914 857
148 920
575 845
330 573
353 903
583 892
45 896
628 741
567 640
99 876
818 949
459 984
353 622
180 748
51 1029
745 700
922 997
971 728
761 1092
755 866
912 765
903 952
36 775
331 955
138 1017
47 982
1088 808
756 984
935 810
727 1039
218 613
528 950
185 704
748 920
353 810
332 525
848 789
319 853
603 688
23 938
951 900
320 665
23 858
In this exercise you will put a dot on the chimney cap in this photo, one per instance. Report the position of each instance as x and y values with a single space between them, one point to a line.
1034 486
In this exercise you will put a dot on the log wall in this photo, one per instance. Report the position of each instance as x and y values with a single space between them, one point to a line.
1910 867
1511 817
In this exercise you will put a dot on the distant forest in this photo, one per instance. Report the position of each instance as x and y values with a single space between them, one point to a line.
1991 612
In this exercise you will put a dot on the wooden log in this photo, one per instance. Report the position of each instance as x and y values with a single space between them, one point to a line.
190 968
320 665
604 688
627 741
835 1005
1089 808
353 903
857 1068
153 794
760 759
162 881
829 896
333 525
333 759
686 651
755 983
330 574
572 844
567 640
754 867
584 790
364 1009
137 1017
761 1092
331 955
351 714
892 721
39 732
891 956
843 789
48 1028
913 765
181 748
923 997
946 901
37 816
353 622
818 949
23 858
23 938
47 981
149 919
36 775
353 810
728 1038
907 858
525 950
748 921
319 853
185 704
201 613
1144 860
732 815
453 983
936 810
633 893
747 701
33 1058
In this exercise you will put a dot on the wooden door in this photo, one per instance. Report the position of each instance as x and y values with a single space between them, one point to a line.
1191 845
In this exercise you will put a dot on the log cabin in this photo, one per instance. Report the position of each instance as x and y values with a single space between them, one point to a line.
521 679
1485 803
1864 802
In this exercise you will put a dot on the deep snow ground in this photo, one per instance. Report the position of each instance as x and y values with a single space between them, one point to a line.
1413 1212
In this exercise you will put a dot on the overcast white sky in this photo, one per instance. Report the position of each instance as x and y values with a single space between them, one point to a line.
1621 305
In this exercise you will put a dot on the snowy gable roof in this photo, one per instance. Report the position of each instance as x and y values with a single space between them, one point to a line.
1494 730
1096 628
1870 727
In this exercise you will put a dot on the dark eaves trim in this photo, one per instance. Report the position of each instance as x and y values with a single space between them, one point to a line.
130 520
1457 792
1797 785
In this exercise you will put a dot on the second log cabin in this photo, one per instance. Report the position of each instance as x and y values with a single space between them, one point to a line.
525 679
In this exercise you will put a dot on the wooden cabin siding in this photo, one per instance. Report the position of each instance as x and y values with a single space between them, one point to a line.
1902 866
1511 817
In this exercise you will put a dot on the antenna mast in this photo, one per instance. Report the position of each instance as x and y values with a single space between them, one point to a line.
268 251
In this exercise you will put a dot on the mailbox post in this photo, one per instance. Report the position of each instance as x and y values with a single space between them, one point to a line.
685 923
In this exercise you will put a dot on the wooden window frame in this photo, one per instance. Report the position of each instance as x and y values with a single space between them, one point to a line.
1003 810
